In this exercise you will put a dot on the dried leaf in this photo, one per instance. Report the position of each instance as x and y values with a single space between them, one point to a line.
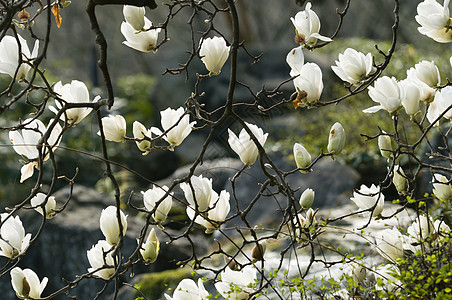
56 13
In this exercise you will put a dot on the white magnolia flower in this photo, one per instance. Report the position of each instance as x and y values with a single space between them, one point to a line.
144 41
301 156
336 139
441 187
427 72
13 241
388 93
9 56
426 92
177 124
74 92
109 224
114 128
154 195
353 66
50 205
101 260
385 146
27 143
188 290
134 15
389 244
359 272
139 132
440 105
150 248
435 21
412 97
368 197
244 146
307 26
295 60
421 228
309 84
214 52
399 180
217 213
201 195
237 285
307 198
26 283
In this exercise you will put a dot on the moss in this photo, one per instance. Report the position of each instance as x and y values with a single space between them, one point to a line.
153 285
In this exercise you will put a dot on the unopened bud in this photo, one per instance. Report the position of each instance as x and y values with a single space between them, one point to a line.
307 198
399 180
301 156
336 139
385 145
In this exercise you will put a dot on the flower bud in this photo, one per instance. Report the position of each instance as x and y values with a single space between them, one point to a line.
134 16
307 198
109 224
23 15
301 156
336 140
214 52
359 273
399 180
150 249
258 251
114 128
385 145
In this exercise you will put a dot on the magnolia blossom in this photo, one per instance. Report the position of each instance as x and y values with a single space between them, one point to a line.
9 56
301 223
150 248
309 84
295 60
154 195
134 16
390 244
412 96
114 128
109 224
336 139
200 196
75 92
307 198
28 143
426 92
26 283
400 181
353 66
101 261
359 272
177 124
440 106
217 213
144 41
139 133
388 93
244 146
188 290
434 20
237 285
441 187
214 52
50 205
427 72
421 228
385 146
307 26
13 241
301 156
367 197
